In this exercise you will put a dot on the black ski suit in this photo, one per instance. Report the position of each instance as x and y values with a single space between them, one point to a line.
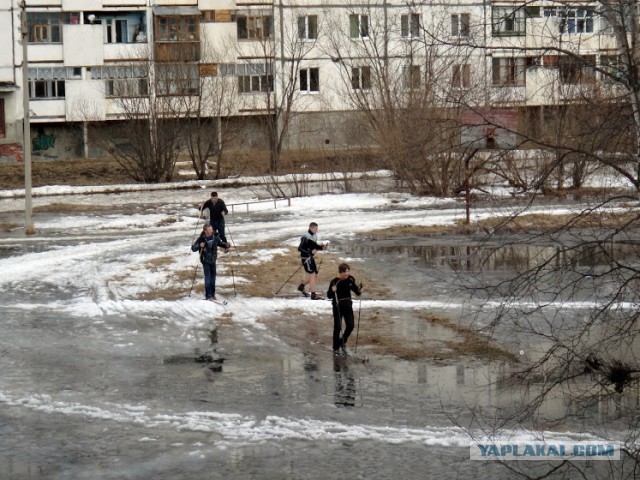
342 308
216 218
309 243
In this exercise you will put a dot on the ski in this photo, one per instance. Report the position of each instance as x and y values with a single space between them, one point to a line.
219 302
307 297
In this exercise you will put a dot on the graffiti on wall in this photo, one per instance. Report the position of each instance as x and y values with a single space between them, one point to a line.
43 141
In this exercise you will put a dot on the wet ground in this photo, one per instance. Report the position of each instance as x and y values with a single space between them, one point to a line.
99 383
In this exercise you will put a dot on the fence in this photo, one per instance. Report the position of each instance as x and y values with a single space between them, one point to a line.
232 207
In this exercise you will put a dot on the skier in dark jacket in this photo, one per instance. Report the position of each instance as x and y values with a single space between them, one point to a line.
208 243
339 291
308 247
217 211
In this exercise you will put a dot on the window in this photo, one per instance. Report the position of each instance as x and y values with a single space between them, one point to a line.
573 20
358 26
177 79
3 129
310 80
46 89
47 82
46 27
361 78
115 30
410 25
123 81
254 26
179 28
613 68
509 71
255 83
508 21
411 76
254 77
577 70
460 25
308 27
461 77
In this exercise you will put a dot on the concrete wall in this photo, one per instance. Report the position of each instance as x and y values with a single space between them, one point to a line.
56 141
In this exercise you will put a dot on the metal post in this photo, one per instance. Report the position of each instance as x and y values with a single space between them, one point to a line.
29 228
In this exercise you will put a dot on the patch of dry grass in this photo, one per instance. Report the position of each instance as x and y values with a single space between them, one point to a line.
71 208
168 221
7 227
525 223
267 277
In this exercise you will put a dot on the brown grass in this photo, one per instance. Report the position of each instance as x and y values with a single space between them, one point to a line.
6 226
267 277
71 208
168 221
525 223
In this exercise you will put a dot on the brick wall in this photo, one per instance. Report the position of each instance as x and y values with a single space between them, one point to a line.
11 152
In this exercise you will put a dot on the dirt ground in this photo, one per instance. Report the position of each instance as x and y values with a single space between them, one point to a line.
106 171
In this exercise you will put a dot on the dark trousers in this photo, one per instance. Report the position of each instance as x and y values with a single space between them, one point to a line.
218 226
209 279
344 310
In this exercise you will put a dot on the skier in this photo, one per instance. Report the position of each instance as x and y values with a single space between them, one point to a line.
339 291
208 243
217 211
308 247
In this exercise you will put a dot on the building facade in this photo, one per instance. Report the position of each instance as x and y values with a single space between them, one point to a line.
324 64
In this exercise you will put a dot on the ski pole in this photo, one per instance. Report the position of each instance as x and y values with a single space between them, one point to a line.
287 281
195 271
195 230
232 241
355 349
233 279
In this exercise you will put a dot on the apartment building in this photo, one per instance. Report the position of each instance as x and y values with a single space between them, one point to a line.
320 61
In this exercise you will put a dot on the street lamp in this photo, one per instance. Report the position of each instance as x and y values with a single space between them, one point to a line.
29 229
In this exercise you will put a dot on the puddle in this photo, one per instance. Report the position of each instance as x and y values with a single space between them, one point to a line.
461 258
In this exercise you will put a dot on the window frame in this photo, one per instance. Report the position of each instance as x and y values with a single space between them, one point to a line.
358 26
412 77
310 74
43 26
361 78
577 71
461 25
461 76
248 28
517 15
509 71
410 25
305 30
255 83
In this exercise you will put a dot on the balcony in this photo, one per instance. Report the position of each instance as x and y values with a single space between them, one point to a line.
89 37
126 51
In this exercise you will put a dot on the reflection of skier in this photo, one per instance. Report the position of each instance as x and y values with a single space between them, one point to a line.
345 386
208 243
308 247
340 290
217 211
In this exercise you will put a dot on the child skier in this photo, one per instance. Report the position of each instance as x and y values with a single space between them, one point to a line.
339 291
308 247
208 243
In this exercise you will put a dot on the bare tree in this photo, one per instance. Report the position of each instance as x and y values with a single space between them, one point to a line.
282 49
411 91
